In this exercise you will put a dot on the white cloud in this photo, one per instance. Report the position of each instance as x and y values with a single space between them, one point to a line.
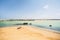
45 7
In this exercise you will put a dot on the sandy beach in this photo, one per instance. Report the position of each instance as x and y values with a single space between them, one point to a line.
26 32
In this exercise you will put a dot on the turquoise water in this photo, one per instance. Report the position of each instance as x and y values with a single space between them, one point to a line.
42 24
45 24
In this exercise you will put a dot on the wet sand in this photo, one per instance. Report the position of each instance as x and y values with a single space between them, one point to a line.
27 33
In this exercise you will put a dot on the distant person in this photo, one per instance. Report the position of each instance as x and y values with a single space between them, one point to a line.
50 25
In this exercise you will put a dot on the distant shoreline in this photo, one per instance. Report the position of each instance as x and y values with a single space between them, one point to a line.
25 19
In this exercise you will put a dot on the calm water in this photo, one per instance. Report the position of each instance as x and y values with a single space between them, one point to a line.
42 24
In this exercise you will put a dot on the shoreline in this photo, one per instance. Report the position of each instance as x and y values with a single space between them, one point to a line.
28 33
48 29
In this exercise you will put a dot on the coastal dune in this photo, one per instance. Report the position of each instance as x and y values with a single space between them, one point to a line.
26 32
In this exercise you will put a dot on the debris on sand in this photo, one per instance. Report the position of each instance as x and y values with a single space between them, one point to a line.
19 27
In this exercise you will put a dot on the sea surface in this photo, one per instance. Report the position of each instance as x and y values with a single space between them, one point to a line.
48 24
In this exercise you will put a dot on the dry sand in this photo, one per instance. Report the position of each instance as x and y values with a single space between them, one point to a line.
27 33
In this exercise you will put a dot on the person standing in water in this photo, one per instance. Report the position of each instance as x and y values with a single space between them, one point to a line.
50 25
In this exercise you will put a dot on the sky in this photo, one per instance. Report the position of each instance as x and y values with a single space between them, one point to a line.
29 9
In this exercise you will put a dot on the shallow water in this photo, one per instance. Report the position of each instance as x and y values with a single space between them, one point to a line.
42 24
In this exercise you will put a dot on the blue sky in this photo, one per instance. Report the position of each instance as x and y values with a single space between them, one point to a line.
29 9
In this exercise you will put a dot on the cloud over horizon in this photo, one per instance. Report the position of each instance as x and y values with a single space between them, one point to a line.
45 7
